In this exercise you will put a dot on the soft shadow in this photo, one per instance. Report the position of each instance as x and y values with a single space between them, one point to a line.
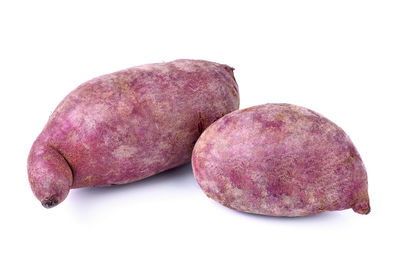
177 179
323 217
326 215
318 216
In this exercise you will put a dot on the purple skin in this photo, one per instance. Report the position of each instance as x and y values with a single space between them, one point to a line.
280 160
128 125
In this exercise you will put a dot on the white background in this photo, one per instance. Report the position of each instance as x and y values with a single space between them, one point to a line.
339 58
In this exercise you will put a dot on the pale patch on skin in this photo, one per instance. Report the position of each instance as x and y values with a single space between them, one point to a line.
124 151
280 160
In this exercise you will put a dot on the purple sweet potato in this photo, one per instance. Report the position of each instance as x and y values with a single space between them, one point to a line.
128 125
280 160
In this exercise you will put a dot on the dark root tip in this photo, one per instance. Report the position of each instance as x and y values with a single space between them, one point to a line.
49 202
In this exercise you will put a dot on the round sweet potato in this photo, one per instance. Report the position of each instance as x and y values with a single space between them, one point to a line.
128 125
280 160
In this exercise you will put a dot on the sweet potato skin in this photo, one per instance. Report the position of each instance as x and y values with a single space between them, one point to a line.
128 125
280 160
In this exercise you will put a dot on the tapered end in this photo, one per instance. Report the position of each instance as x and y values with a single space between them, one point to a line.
362 207
49 202
50 174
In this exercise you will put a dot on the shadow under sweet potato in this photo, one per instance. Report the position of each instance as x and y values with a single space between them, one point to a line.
178 181
175 178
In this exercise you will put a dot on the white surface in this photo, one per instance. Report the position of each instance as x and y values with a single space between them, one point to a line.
339 58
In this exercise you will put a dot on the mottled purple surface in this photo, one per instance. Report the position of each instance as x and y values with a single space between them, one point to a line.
128 125
280 160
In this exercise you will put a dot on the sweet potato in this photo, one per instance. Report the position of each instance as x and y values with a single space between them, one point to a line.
128 125
280 160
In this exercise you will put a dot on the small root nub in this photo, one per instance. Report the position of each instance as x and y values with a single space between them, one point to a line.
49 202
362 207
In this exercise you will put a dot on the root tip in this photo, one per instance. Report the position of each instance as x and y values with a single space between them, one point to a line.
49 202
362 207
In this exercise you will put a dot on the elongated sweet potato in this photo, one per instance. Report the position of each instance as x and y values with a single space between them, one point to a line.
128 125
280 160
